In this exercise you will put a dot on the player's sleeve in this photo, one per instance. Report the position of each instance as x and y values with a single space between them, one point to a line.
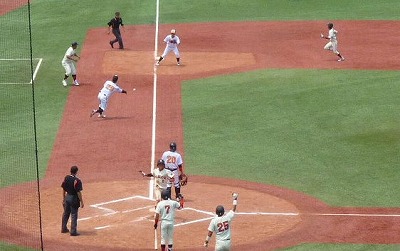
170 174
230 215
211 227
179 160
177 204
158 209
119 89
178 41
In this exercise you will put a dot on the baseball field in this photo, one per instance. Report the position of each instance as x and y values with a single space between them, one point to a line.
257 107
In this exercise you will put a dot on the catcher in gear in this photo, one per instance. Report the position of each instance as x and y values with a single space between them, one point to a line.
174 163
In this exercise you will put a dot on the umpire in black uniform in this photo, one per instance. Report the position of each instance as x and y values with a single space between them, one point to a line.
114 26
72 199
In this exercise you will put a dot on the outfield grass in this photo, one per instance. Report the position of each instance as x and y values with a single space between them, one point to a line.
350 138
329 133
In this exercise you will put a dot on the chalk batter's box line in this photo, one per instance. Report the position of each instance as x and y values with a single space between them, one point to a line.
211 215
24 59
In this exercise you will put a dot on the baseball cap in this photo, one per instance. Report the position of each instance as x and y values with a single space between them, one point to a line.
173 31
74 43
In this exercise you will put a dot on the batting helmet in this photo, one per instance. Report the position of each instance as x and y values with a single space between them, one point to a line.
160 162
220 210
172 146
165 194
115 78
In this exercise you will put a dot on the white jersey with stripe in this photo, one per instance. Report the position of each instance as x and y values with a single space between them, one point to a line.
332 34
70 52
166 209
162 178
109 88
222 226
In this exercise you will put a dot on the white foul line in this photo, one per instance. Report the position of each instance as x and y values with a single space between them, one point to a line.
36 70
153 126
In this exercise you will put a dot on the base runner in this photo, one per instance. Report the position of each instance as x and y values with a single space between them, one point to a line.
162 178
221 225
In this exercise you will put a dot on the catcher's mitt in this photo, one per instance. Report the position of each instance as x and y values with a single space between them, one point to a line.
183 179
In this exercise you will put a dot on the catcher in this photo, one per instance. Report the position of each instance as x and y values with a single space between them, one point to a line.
174 163
163 178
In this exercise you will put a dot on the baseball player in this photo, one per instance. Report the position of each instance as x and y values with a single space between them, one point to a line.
221 225
172 42
174 163
332 45
113 26
165 211
72 199
67 62
162 177
104 95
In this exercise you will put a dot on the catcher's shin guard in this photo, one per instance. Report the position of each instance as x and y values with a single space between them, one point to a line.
180 199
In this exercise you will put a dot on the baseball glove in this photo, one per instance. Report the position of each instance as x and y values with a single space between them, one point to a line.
183 179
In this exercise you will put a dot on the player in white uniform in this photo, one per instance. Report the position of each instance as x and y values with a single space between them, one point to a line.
162 177
332 45
67 62
174 163
221 225
165 211
172 42
109 88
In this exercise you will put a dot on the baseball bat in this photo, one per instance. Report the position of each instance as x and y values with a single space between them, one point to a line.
155 240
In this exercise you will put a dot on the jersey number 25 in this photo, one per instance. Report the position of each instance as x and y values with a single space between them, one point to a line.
222 226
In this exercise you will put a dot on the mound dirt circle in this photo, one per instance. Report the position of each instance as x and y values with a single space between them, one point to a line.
123 217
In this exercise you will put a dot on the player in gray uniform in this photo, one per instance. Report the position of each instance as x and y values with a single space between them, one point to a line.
173 162
332 45
221 225
165 211
105 93
172 42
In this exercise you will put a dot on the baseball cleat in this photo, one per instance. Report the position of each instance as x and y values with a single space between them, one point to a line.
111 44
76 83
64 83
178 64
340 59
101 116
158 63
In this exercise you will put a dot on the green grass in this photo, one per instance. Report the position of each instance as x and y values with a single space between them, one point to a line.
9 247
290 140
331 134
343 247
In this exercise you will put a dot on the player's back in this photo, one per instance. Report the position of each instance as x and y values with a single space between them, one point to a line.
166 209
222 226
172 160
